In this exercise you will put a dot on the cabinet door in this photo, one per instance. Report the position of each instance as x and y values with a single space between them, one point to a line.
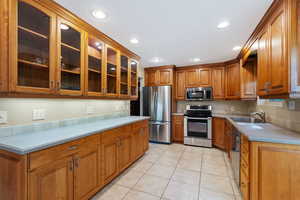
124 149
86 168
191 78
71 58
218 82
110 145
165 77
263 65
94 70
53 181
133 78
177 130
248 79
33 48
219 133
112 67
124 76
275 171
278 64
145 138
151 78
204 77
233 81
180 85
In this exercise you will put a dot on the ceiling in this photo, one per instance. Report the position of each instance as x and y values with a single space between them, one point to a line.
175 30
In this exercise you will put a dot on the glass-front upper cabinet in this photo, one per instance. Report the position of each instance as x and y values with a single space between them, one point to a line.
71 58
124 78
133 78
35 34
95 65
111 71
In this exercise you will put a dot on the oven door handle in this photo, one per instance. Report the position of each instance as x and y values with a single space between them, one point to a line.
209 118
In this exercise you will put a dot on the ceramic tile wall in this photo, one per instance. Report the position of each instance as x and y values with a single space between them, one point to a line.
278 113
220 107
20 111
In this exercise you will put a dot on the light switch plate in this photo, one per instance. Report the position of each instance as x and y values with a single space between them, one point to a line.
3 117
38 114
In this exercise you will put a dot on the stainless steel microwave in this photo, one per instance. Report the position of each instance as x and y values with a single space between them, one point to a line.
199 94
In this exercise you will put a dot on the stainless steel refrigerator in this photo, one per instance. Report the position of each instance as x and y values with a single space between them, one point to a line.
157 103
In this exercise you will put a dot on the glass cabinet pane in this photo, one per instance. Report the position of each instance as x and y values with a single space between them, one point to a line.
70 58
111 71
124 75
95 51
133 66
33 46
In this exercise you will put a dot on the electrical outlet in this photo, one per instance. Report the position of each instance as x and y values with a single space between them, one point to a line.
3 117
292 105
38 114
90 110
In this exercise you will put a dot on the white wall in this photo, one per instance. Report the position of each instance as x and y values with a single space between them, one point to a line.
20 110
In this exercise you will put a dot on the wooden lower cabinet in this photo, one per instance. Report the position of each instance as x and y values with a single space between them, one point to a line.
53 181
177 128
72 171
219 133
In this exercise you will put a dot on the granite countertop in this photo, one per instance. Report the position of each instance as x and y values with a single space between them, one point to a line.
31 142
263 132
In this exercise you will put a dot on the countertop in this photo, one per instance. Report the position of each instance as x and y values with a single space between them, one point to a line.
31 142
263 132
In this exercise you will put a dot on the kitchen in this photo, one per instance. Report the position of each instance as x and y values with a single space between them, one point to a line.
96 105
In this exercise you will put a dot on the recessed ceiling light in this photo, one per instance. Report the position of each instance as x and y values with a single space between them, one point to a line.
64 27
97 44
156 60
134 41
223 24
196 60
99 14
237 48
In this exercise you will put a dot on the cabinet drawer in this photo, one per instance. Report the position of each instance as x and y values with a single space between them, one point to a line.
52 154
141 124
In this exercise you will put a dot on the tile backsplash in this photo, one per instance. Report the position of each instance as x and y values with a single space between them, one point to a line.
20 111
278 113
220 107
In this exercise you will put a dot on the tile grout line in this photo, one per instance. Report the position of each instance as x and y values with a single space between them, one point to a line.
201 171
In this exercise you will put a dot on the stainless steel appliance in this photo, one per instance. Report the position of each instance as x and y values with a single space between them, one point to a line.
198 125
199 94
157 103
235 154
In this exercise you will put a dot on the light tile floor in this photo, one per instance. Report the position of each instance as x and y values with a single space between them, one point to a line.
175 172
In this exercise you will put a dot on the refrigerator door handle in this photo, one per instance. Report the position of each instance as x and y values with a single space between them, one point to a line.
160 123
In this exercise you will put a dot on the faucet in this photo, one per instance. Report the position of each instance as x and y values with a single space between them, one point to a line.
258 117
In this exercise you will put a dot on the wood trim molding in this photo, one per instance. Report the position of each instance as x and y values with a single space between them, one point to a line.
160 67
68 15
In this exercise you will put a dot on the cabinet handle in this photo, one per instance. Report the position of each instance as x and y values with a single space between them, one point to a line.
58 85
119 142
74 147
71 165
51 84
77 162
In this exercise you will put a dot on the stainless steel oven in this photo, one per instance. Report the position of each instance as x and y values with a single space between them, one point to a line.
198 126
199 94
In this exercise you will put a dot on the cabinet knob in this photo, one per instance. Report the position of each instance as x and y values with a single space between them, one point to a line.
58 85
77 162
74 147
71 165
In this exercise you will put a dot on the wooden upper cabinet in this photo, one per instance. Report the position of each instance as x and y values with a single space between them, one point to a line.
133 78
71 42
159 76
151 77
278 63
248 78
233 81
53 181
198 77
180 85
32 50
112 67
94 70
204 77
124 75
191 78
219 139
218 82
